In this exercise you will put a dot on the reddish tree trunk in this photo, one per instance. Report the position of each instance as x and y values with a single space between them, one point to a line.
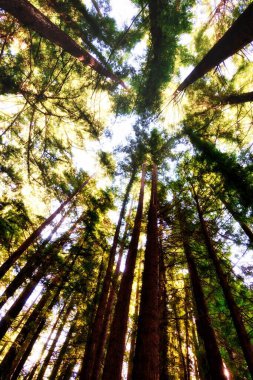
63 349
146 359
204 326
116 346
237 36
134 326
35 234
31 17
55 340
235 313
93 340
164 341
107 318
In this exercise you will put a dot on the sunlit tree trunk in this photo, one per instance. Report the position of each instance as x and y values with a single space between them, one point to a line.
97 326
64 348
55 340
203 322
109 307
31 17
134 326
235 313
236 37
146 359
164 341
116 345
22 346
28 242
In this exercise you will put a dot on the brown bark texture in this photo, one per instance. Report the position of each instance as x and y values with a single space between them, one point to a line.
35 234
204 326
31 17
237 36
235 312
116 346
146 359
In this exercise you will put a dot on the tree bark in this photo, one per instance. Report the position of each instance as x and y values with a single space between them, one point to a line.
94 337
108 311
31 17
14 355
116 346
235 312
55 340
64 348
134 326
164 341
236 98
35 234
146 359
203 322
237 36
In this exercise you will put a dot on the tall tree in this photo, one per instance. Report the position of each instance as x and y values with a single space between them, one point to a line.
146 359
116 345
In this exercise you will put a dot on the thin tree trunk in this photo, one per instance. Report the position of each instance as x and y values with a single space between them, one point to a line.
237 36
134 326
31 17
116 345
108 311
203 322
29 267
18 347
97 326
63 349
19 303
55 340
35 234
164 341
180 341
187 340
21 344
45 346
238 218
146 359
235 313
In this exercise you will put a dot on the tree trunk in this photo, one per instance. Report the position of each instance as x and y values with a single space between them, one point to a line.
235 313
203 322
237 36
164 342
134 326
236 98
33 262
55 340
108 311
146 359
31 17
116 346
18 348
239 220
35 234
94 337
19 303
63 349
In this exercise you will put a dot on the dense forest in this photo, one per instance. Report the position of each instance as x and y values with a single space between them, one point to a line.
126 183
